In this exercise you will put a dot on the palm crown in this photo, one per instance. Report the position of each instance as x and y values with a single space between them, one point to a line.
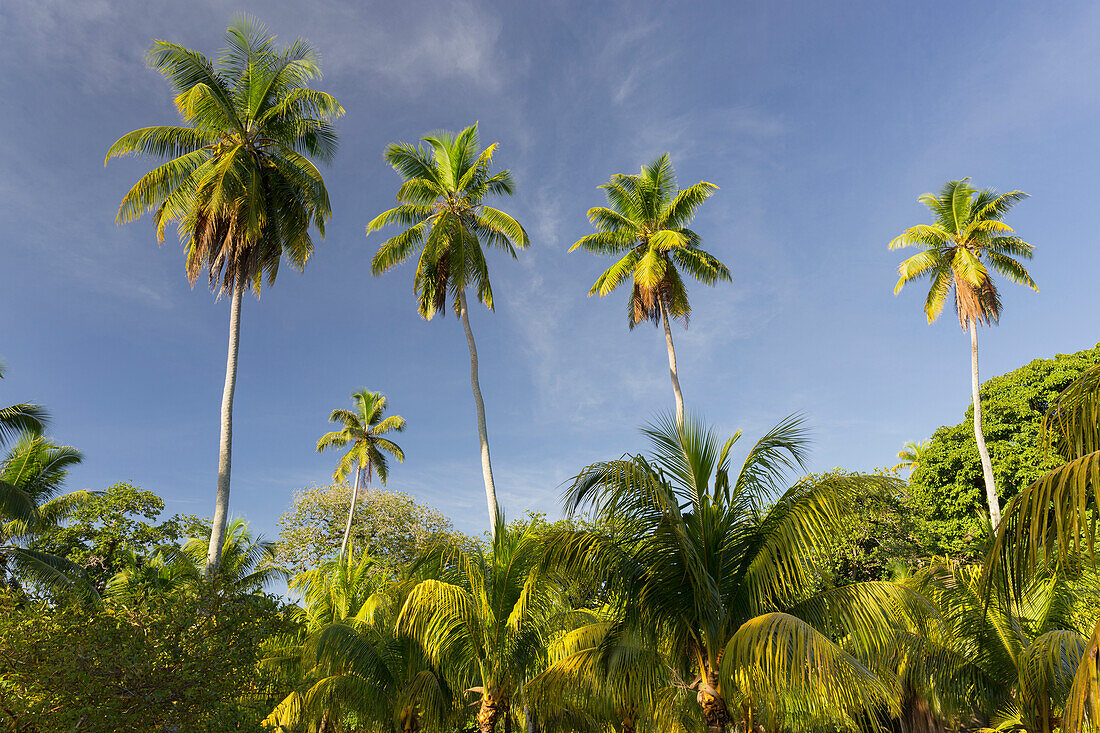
646 226
966 241
237 181
362 435
719 565
442 204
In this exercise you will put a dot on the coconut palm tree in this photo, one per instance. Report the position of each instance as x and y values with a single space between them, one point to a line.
912 454
721 568
362 434
442 205
967 240
31 477
352 664
238 182
646 227
596 679
484 618
1010 659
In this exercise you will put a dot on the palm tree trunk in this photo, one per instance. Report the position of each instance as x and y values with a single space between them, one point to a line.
225 455
716 715
672 364
487 715
979 437
482 433
351 510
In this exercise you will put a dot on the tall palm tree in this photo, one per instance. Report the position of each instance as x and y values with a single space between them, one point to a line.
362 434
967 240
721 568
442 205
646 227
912 453
484 618
238 182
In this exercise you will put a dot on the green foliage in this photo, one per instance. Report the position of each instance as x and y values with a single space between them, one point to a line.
877 538
442 205
179 661
966 240
99 531
646 227
236 180
391 525
31 476
722 567
947 487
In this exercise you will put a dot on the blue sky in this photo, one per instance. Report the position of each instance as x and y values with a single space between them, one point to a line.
821 123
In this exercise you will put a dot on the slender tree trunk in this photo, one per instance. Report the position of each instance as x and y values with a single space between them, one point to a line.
672 364
351 510
979 437
225 455
531 717
482 433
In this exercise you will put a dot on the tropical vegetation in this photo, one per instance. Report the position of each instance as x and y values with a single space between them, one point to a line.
697 583
441 204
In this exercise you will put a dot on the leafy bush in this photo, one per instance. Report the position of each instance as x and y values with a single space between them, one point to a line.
182 661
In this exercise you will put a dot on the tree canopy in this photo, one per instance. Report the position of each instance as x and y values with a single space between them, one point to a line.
947 486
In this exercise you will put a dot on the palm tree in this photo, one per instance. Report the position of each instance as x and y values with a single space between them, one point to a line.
31 476
597 678
351 662
442 204
485 621
1050 524
363 429
1010 659
646 226
966 241
237 182
721 568
912 454
246 566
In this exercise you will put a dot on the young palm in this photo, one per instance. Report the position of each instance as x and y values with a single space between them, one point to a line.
485 621
1009 659
442 204
353 667
362 434
967 240
238 182
912 454
15 421
646 226
600 677
721 567
31 477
